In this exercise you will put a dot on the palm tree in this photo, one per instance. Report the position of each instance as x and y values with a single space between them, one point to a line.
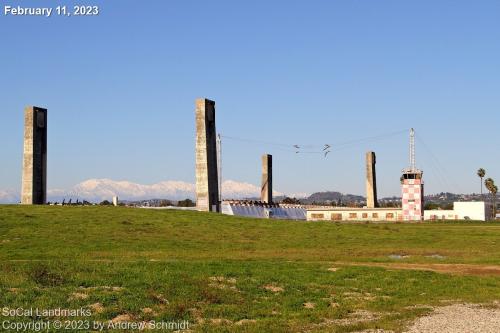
489 183
481 173
493 189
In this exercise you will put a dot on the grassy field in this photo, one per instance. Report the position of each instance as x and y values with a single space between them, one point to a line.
233 274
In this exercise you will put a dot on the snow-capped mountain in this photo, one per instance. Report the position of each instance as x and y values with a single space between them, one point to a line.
100 189
236 190
96 190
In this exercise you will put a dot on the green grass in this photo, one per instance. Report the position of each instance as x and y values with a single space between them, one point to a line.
164 260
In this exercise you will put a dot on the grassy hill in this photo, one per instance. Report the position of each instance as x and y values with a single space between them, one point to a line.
224 273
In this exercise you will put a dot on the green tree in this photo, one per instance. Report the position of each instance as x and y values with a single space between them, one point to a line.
165 203
293 201
481 173
431 206
186 203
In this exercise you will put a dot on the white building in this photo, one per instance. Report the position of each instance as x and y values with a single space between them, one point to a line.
478 211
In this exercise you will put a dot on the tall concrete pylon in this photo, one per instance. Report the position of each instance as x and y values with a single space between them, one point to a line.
371 180
207 187
34 177
266 190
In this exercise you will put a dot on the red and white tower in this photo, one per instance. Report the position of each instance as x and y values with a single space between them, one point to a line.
412 187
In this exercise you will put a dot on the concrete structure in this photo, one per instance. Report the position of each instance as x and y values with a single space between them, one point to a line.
259 209
354 214
34 177
115 201
371 181
207 187
266 190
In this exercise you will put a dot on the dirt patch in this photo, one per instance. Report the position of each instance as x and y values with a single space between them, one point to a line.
354 295
159 298
222 279
356 317
121 318
221 321
220 282
332 269
459 318
245 322
149 311
96 308
197 315
461 269
273 288
78 296
106 288
309 305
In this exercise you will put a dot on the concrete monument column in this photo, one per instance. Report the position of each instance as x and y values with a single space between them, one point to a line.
34 177
371 180
207 188
266 190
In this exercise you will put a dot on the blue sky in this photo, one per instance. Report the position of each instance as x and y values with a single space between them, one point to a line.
120 89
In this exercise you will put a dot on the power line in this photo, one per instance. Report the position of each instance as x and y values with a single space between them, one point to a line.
310 149
438 168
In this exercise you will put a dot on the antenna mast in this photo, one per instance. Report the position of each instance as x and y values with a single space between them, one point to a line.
219 165
412 150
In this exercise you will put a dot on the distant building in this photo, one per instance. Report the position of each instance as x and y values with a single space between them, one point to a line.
354 214
115 201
